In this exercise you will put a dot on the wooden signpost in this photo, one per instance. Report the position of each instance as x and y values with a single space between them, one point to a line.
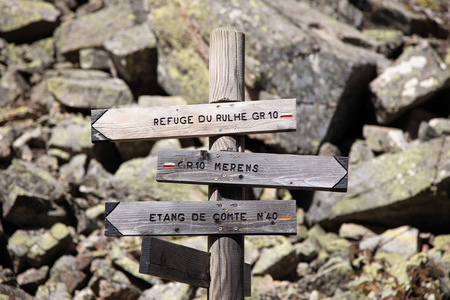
227 216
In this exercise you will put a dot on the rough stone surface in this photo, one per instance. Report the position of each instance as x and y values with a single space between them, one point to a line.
31 279
384 139
414 77
79 139
24 20
171 290
403 240
391 190
89 92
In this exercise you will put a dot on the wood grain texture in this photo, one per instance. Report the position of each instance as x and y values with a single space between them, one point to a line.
175 262
226 83
253 169
146 123
155 218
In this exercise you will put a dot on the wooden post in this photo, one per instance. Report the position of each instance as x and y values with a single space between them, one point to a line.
226 84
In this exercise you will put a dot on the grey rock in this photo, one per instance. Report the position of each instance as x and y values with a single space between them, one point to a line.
30 196
32 278
341 10
25 21
18 246
135 180
92 58
73 173
48 248
355 232
278 261
384 139
414 78
171 290
70 270
403 240
117 290
84 294
413 181
331 276
12 86
388 42
6 138
440 125
53 291
133 51
359 152
13 292
306 251
7 276
89 92
92 30
397 15
72 135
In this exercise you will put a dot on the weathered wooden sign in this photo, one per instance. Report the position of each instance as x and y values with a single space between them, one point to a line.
193 120
200 218
180 263
250 169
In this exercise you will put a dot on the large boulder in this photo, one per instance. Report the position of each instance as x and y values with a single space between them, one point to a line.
92 30
394 189
27 20
30 195
88 89
302 55
417 75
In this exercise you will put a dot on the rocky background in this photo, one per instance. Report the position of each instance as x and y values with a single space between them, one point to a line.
372 82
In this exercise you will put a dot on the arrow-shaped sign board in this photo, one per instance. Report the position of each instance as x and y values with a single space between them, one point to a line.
250 169
180 263
200 218
186 121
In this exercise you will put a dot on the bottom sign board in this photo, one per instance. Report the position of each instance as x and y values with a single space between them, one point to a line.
200 218
180 263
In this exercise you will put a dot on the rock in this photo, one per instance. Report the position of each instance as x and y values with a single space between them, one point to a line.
12 87
307 251
329 277
341 10
116 290
53 291
6 138
89 92
7 276
133 51
72 135
135 180
92 30
442 242
278 261
32 278
73 172
171 290
396 15
92 58
403 240
25 21
12 292
158 101
54 241
130 266
30 196
319 116
393 180
413 79
84 294
355 232
18 246
440 126
388 42
359 153
96 181
384 139
70 270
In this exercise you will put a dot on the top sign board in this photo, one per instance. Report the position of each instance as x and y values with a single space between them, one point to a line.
194 120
